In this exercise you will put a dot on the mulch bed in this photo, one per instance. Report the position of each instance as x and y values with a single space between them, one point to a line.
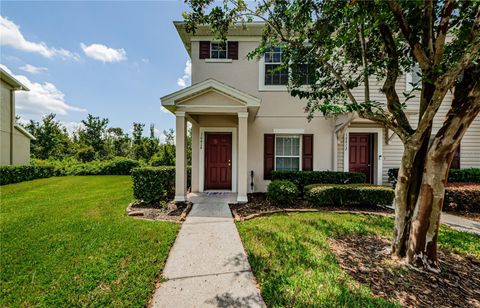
167 212
258 205
367 260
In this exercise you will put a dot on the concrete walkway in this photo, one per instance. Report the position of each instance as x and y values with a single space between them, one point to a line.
460 223
207 266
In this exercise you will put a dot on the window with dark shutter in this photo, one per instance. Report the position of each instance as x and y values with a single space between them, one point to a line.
307 152
204 51
233 50
268 156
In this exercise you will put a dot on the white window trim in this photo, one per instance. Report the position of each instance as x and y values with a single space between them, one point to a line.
201 145
379 145
261 79
213 60
211 50
300 137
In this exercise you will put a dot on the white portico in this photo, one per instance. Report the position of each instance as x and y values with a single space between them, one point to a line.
219 115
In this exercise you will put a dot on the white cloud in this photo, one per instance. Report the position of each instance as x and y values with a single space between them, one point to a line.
103 53
187 75
43 98
72 127
10 35
33 69
145 60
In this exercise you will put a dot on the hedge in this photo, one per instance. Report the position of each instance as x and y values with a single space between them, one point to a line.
17 174
468 175
118 166
154 184
349 194
304 178
282 192
462 198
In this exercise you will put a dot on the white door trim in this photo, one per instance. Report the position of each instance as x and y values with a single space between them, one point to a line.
379 145
201 145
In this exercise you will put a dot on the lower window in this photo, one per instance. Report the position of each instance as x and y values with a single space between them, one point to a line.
287 153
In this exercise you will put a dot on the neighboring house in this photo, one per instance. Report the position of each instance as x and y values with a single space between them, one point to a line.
245 124
15 140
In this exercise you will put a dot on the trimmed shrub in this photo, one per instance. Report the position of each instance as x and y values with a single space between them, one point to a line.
304 178
350 194
462 198
282 192
152 184
17 174
120 167
468 175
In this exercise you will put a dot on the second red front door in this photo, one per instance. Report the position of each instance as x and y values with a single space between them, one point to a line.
360 154
218 161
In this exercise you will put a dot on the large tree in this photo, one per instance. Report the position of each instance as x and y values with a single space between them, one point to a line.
344 44
51 138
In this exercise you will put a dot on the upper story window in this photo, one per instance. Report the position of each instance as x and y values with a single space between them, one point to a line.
287 152
218 50
274 73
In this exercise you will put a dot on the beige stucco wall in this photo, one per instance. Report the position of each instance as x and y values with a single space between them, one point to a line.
279 110
21 143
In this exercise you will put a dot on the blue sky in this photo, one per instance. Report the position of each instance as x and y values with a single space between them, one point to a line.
111 59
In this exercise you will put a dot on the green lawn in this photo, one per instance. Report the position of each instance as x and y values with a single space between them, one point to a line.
294 265
66 241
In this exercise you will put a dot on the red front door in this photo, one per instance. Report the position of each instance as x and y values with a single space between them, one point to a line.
360 154
218 161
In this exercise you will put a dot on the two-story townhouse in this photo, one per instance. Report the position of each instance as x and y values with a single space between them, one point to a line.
245 123
14 139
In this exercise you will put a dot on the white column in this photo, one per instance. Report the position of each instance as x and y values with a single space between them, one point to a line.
180 158
195 157
242 157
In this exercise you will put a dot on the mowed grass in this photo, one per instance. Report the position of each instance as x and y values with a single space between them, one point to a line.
66 241
295 267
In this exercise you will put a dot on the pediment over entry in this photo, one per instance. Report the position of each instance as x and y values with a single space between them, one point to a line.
210 96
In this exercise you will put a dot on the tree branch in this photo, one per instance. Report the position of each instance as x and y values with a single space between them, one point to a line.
363 44
412 40
442 31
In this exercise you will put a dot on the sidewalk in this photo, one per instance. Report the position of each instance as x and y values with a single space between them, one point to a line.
460 223
207 266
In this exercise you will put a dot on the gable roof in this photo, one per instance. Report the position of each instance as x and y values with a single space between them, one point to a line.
170 101
9 79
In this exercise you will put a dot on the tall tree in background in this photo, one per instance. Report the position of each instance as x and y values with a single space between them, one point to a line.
93 134
118 142
138 149
51 138
340 44
151 144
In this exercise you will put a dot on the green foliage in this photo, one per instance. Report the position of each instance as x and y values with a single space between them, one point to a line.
467 175
165 156
117 166
350 194
153 184
67 242
86 154
17 174
282 192
93 134
462 198
51 139
304 178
